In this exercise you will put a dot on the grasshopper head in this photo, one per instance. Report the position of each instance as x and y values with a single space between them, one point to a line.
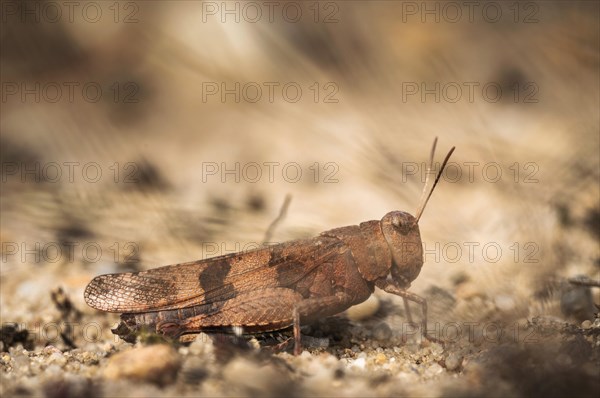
401 232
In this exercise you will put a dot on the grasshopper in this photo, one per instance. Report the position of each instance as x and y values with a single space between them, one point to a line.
272 287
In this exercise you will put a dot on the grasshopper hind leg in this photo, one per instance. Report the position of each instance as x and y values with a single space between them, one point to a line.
260 311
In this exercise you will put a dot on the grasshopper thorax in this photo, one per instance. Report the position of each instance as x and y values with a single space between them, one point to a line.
402 235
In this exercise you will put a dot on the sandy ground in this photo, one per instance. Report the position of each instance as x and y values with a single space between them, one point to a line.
167 166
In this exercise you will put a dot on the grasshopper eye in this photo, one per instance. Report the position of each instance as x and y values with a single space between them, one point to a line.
401 223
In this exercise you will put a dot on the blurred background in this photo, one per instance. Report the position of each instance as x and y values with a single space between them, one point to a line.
139 134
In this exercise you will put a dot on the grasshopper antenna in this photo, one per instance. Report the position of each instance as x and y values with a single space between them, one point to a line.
424 199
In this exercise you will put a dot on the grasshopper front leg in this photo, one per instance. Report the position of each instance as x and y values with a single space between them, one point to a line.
391 287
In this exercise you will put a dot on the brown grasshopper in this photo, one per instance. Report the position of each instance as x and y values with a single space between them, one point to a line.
273 287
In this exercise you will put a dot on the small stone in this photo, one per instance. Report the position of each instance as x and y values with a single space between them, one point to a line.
57 358
359 363
75 366
315 342
467 290
194 371
202 345
453 362
577 302
67 385
254 344
563 359
50 349
108 347
21 361
87 357
382 332
587 324
433 370
338 373
156 363
53 370
380 359
364 310
436 349
505 303
460 278
252 376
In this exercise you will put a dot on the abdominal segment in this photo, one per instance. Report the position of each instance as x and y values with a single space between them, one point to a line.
133 323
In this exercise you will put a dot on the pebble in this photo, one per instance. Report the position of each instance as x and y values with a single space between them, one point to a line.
203 345
156 363
436 349
563 359
58 358
250 375
587 324
53 370
467 290
67 385
505 303
88 357
433 370
382 332
454 361
315 342
359 363
194 370
319 379
460 278
108 347
21 361
577 302
380 359
48 350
